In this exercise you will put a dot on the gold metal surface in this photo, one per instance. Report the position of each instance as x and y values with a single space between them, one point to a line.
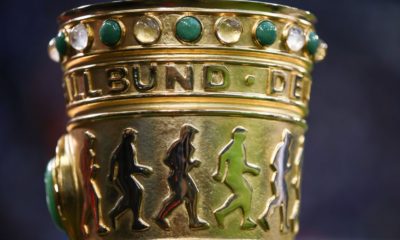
171 139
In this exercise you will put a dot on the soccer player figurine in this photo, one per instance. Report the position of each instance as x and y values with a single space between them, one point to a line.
181 185
232 166
132 191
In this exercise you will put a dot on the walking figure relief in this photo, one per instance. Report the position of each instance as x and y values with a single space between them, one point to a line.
124 158
91 204
232 165
280 166
181 185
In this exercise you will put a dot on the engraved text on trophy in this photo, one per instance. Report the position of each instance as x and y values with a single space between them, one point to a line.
173 77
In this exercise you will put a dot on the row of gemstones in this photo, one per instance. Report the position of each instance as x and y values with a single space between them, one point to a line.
147 30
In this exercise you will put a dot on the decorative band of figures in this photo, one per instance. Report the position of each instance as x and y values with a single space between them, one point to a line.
231 168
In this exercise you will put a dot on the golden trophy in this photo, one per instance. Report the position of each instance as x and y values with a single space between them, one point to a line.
187 119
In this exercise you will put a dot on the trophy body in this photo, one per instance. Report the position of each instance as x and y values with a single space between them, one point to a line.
187 120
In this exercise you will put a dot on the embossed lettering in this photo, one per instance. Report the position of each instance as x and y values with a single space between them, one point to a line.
138 82
278 82
173 75
216 77
79 85
298 84
146 77
77 95
117 80
88 84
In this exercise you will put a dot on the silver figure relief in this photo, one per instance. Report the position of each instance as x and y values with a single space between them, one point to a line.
280 166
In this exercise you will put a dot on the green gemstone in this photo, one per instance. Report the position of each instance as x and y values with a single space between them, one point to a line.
61 44
313 43
188 29
50 194
266 33
110 33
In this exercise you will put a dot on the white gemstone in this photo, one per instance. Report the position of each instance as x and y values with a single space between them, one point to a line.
147 30
52 50
79 37
228 30
296 39
321 51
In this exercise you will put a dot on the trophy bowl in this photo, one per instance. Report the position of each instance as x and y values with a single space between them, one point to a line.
187 119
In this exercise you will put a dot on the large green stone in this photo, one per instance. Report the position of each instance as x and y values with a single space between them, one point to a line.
313 43
50 194
61 44
110 32
188 29
266 33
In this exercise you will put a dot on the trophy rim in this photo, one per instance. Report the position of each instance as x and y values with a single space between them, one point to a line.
254 6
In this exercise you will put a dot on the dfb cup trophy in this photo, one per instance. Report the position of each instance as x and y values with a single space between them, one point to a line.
187 119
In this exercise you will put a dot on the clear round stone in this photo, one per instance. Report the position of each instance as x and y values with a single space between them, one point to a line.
229 30
321 51
52 50
79 37
296 39
147 30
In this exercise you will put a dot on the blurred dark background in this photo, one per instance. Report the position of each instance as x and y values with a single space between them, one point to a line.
351 184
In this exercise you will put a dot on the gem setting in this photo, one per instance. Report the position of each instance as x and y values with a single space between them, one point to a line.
79 37
52 51
313 43
188 29
229 30
147 30
110 32
295 40
266 33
